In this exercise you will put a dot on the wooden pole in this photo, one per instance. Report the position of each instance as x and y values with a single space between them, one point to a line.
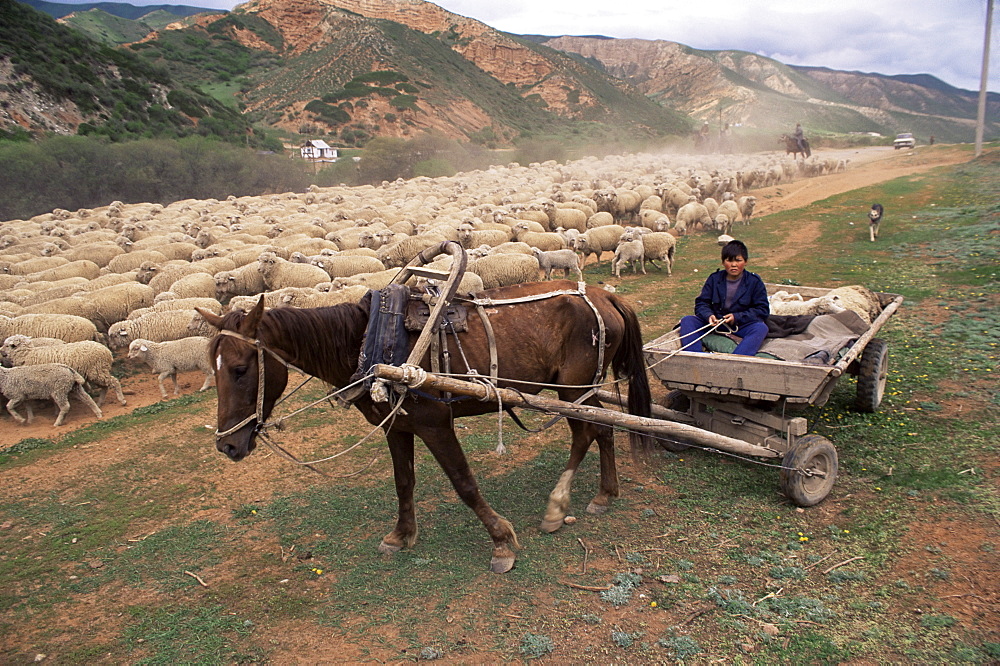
426 380
984 79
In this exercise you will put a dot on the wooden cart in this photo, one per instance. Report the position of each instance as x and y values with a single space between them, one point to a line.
754 399
736 404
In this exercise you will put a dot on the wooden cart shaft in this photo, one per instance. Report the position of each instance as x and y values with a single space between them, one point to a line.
412 377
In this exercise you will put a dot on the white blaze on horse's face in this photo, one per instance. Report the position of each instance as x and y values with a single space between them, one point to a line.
218 363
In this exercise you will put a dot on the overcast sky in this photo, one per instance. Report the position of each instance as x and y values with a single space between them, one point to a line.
939 37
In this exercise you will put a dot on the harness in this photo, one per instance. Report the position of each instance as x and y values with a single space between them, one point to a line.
385 342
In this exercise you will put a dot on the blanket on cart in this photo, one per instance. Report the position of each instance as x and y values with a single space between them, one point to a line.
819 340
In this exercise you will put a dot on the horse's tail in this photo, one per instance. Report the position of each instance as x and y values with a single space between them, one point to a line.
628 362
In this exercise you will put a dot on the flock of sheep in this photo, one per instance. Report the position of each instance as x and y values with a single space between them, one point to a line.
77 287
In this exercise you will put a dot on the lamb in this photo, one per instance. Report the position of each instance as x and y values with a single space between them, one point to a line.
746 205
599 240
500 270
91 359
70 328
629 251
566 260
53 381
279 273
169 358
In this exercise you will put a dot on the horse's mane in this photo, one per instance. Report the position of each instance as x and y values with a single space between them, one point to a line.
318 339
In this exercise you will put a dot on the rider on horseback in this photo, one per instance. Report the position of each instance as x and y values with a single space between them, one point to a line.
800 138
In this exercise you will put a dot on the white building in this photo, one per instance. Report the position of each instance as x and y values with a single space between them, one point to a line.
318 150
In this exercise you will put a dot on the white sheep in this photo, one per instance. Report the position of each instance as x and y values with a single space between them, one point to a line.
169 358
599 240
730 209
70 328
91 359
825 304
347 265
723 223
500 270
693 215
155 326
244 281
543 240
860 300
746 205
629 251
660 246
279 273
54 381
566 260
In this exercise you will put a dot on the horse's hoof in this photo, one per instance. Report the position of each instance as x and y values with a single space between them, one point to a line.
550 526
597 509
502 564
388 548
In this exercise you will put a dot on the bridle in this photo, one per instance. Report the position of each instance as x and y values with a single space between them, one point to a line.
259 413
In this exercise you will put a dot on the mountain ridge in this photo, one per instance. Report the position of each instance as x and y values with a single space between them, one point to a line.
300 67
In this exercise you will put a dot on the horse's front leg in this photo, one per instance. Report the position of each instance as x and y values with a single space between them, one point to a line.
405 533
443 444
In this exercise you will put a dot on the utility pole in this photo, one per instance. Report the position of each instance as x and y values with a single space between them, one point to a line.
981 115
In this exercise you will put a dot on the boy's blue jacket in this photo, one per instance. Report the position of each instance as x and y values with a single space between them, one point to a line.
749 305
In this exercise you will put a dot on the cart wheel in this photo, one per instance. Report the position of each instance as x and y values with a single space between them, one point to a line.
874 367
809 470
677 401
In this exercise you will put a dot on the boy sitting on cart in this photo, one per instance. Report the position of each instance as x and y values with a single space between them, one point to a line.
733 300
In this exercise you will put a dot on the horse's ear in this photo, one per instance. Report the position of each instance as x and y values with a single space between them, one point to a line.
209 316
248 326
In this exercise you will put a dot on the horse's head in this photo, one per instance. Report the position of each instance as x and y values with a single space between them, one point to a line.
237 376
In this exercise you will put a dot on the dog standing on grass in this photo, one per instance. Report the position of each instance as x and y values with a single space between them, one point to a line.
874 218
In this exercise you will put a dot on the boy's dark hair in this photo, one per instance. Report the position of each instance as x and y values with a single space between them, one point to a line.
734 249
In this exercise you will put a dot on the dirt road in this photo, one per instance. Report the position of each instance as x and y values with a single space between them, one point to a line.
867 166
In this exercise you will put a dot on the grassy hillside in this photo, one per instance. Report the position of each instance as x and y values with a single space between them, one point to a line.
116 94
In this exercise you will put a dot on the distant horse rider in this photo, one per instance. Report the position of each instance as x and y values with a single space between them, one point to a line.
800 138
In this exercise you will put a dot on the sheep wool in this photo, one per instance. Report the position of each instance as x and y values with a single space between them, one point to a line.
46 381
91 359
169 358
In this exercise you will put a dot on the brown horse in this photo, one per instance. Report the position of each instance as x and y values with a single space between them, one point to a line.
792 146
553 340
